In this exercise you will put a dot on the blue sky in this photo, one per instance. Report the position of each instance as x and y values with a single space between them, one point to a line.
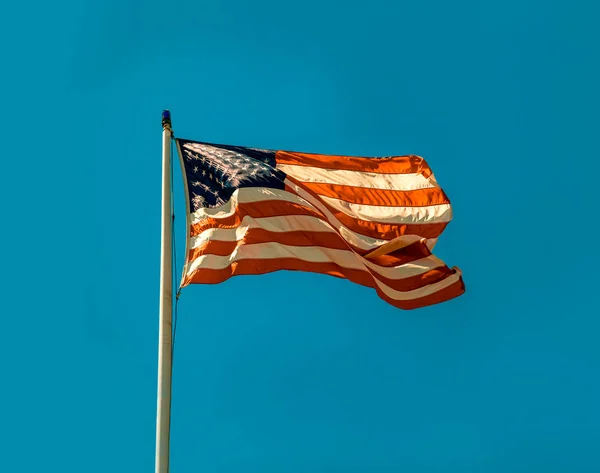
300 372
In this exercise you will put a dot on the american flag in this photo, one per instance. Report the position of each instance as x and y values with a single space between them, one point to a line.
373 221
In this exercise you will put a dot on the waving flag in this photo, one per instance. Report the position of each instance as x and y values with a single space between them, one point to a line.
372 221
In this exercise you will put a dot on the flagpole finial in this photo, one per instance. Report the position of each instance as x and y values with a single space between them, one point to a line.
166 119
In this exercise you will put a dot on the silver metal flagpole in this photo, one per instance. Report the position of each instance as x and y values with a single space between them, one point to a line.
163 408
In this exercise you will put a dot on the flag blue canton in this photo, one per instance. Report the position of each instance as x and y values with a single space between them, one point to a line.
214 172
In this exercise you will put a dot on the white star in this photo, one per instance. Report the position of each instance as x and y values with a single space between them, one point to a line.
203 172
196 183
266 191
198 200
195 168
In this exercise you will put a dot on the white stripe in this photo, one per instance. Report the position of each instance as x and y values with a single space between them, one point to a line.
243 196
344 258
402 182
420 292
407 270
410 239
288 223
393 215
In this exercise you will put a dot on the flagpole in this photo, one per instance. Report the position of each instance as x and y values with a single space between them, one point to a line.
163 408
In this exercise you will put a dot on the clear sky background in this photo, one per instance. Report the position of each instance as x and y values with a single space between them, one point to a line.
295 372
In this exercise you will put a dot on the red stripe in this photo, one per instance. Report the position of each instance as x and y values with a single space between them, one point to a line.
262 266
259 235
385 231
391 198
391 165
412 252
451 292
267 208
